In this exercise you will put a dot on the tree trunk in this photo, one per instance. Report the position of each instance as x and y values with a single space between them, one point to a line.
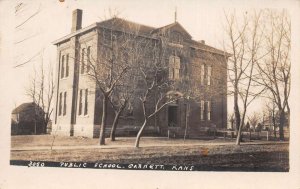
238 137
114 125
236 112
281 124
239 134
274 126
138 137
103 121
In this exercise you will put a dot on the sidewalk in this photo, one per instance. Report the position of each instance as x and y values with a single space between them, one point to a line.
112 146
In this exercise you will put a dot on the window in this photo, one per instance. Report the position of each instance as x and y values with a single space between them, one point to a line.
202 74
176 37
85 60
193 52
174 67
80 102
208 105
202 110
88 53
65 103
83 102
86 102
208 75
60 106
82 61
67 65
62 72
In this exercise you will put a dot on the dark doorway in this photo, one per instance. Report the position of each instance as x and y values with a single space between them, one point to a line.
172 116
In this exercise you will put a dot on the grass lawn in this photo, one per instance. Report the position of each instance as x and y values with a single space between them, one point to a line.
262 157
48 140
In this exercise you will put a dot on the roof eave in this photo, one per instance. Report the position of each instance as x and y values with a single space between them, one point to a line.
67 37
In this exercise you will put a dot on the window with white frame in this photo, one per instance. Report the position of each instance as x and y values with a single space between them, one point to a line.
208 105
85 65
86 102
202 109
174 67
65 104
82 61
60 104
80 102
83 102
208 75
202 74
67 65
62 70
88 56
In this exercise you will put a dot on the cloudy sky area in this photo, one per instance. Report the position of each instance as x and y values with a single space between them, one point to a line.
202 19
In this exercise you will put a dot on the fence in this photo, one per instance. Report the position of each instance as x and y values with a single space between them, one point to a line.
255 135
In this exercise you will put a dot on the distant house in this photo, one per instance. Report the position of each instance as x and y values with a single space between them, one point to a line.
268 124
27 119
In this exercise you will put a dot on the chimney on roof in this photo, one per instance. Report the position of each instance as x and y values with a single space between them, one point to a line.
76 20
202 41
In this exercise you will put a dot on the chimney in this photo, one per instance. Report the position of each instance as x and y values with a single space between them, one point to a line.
76 20
202 41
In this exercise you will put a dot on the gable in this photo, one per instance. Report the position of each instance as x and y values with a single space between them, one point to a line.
174 28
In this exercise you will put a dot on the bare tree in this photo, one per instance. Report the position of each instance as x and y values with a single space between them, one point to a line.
118 51
41 90
231 120
120 98
272 116
158 88
254 119
274 72
245 41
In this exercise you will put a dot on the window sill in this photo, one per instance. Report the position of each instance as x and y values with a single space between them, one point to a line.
83 116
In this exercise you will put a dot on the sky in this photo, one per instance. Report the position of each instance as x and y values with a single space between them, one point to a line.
202 19
54 21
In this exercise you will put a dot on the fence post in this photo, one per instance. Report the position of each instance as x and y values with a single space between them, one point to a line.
267 135
168 134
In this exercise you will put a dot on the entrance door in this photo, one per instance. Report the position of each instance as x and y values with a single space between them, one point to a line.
172 116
